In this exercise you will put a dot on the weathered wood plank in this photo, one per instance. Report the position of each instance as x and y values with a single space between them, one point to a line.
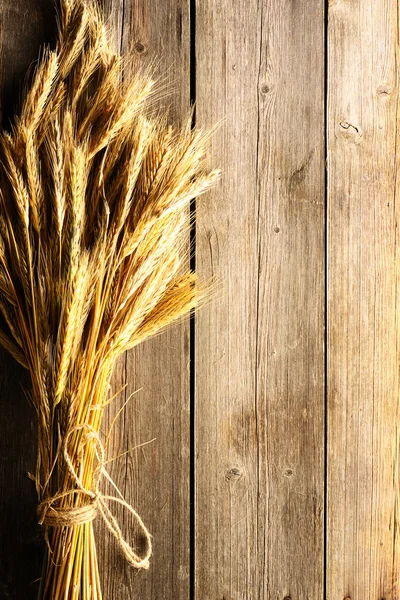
154 477
363 371
259 344
25 25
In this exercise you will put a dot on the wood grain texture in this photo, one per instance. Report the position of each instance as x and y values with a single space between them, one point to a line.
259 345
363 325
24 27
155 476
259 396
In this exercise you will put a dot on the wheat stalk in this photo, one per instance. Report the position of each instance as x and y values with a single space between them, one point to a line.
94 190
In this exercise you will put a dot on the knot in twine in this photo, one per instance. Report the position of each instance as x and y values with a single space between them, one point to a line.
52 516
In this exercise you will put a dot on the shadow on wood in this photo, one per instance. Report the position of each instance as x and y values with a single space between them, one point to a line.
25 27
21 545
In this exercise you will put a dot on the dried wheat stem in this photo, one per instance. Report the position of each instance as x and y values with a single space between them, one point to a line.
94 195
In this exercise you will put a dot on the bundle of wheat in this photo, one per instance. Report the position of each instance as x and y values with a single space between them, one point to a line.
93 229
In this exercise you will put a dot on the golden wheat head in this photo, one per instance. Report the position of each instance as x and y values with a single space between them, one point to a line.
94 196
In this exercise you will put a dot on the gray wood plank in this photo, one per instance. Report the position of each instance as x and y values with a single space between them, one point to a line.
363 371
155 476
259 343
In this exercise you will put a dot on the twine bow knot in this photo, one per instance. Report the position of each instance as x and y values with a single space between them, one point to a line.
52 516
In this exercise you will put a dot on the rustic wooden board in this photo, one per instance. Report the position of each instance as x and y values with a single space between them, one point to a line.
259 344
154 477
363 371
24 26
260 422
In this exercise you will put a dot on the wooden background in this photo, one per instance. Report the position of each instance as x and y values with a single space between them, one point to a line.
272 469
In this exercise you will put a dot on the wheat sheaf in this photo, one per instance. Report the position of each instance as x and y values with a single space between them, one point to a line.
94 192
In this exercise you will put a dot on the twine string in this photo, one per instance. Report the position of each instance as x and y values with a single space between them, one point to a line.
55 516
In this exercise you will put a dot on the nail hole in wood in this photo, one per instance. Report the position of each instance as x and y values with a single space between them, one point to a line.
140 48
347 125
384 90
233 474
